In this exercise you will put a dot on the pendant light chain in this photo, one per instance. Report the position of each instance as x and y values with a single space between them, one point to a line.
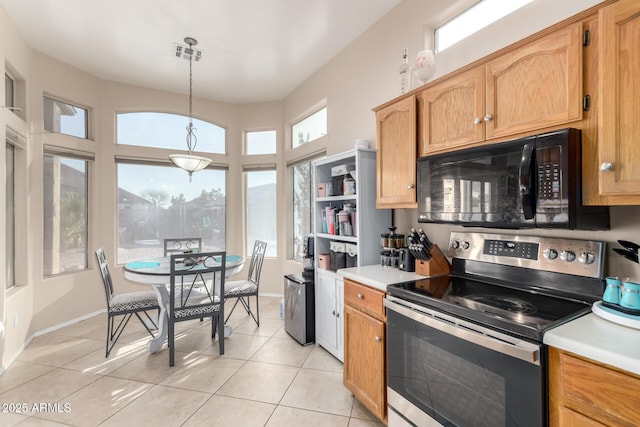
192 139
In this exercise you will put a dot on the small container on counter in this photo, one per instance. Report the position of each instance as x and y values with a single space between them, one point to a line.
384 240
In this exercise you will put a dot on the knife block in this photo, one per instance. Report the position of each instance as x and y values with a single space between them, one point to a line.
438 265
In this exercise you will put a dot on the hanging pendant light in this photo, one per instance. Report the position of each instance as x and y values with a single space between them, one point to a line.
190 162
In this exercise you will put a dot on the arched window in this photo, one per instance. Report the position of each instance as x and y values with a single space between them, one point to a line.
164 130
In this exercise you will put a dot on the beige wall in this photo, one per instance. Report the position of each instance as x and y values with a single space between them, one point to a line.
364 75
359 78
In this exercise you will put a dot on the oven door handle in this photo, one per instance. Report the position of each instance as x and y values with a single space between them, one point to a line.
467 331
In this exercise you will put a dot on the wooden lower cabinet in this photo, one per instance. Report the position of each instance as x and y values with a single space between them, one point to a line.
364 347
585 393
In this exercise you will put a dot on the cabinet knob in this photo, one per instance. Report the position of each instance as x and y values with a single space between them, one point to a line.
378 339
488 118
360 296
337 314
333 313
606 167
477 121
410 186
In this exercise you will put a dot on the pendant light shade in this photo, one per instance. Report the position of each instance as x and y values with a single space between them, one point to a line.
190 162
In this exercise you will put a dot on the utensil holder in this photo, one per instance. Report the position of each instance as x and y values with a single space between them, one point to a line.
438 265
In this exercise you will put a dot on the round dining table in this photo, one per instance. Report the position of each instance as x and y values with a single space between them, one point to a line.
156 272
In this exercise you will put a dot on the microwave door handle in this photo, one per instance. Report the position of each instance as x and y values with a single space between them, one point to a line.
527 178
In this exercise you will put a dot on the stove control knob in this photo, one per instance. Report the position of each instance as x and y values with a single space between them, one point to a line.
568 256
454 244
465 245
586 258
550 253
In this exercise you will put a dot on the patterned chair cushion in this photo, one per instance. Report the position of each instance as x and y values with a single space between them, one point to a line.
195 311
239 287
144 300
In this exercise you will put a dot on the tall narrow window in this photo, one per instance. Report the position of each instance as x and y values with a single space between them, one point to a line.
310 128
302 198
9 91
10 215
68 119
260 142
261 209
65 214
155 203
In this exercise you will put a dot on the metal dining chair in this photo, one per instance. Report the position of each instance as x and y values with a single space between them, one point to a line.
194 293
242 290
182 245
125 305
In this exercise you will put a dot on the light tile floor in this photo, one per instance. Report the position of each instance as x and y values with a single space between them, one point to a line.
265 378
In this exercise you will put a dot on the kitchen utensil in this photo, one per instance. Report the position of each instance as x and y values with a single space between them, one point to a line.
630 245
631 256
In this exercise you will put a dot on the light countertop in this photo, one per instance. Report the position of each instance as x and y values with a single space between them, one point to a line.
377 276
600 340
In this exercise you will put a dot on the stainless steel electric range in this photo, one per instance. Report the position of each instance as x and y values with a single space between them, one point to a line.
466 349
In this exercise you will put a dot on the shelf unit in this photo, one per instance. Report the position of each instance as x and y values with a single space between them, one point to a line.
370 223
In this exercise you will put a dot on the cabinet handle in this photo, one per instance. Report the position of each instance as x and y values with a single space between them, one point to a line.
360 296
606 167
378 339
410 186
488 118
477 121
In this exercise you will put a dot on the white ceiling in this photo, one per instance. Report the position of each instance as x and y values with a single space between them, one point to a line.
253 50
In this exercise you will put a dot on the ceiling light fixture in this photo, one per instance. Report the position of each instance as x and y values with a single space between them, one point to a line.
190 162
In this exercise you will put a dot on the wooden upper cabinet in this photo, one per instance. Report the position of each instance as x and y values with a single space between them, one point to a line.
396 159
619 124
451 113
535 86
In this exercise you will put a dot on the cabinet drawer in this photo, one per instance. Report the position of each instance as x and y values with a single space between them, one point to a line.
615 398
364 298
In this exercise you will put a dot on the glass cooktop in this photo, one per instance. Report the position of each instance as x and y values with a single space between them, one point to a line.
514 311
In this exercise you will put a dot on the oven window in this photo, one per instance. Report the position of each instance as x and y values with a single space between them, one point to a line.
460 383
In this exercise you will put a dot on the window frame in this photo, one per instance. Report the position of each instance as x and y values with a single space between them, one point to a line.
10 91
245 147
308 115
88 158
272 250
160 163
182 138
54 99
18 141
473 14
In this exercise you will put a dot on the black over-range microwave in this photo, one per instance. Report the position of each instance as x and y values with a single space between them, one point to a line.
529 182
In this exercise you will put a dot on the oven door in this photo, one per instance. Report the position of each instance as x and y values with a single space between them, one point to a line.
456 373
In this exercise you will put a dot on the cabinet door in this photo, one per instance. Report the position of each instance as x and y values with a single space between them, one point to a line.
569 418
339 318
451 113
326 326
618 149
396 159
537 85
364 373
